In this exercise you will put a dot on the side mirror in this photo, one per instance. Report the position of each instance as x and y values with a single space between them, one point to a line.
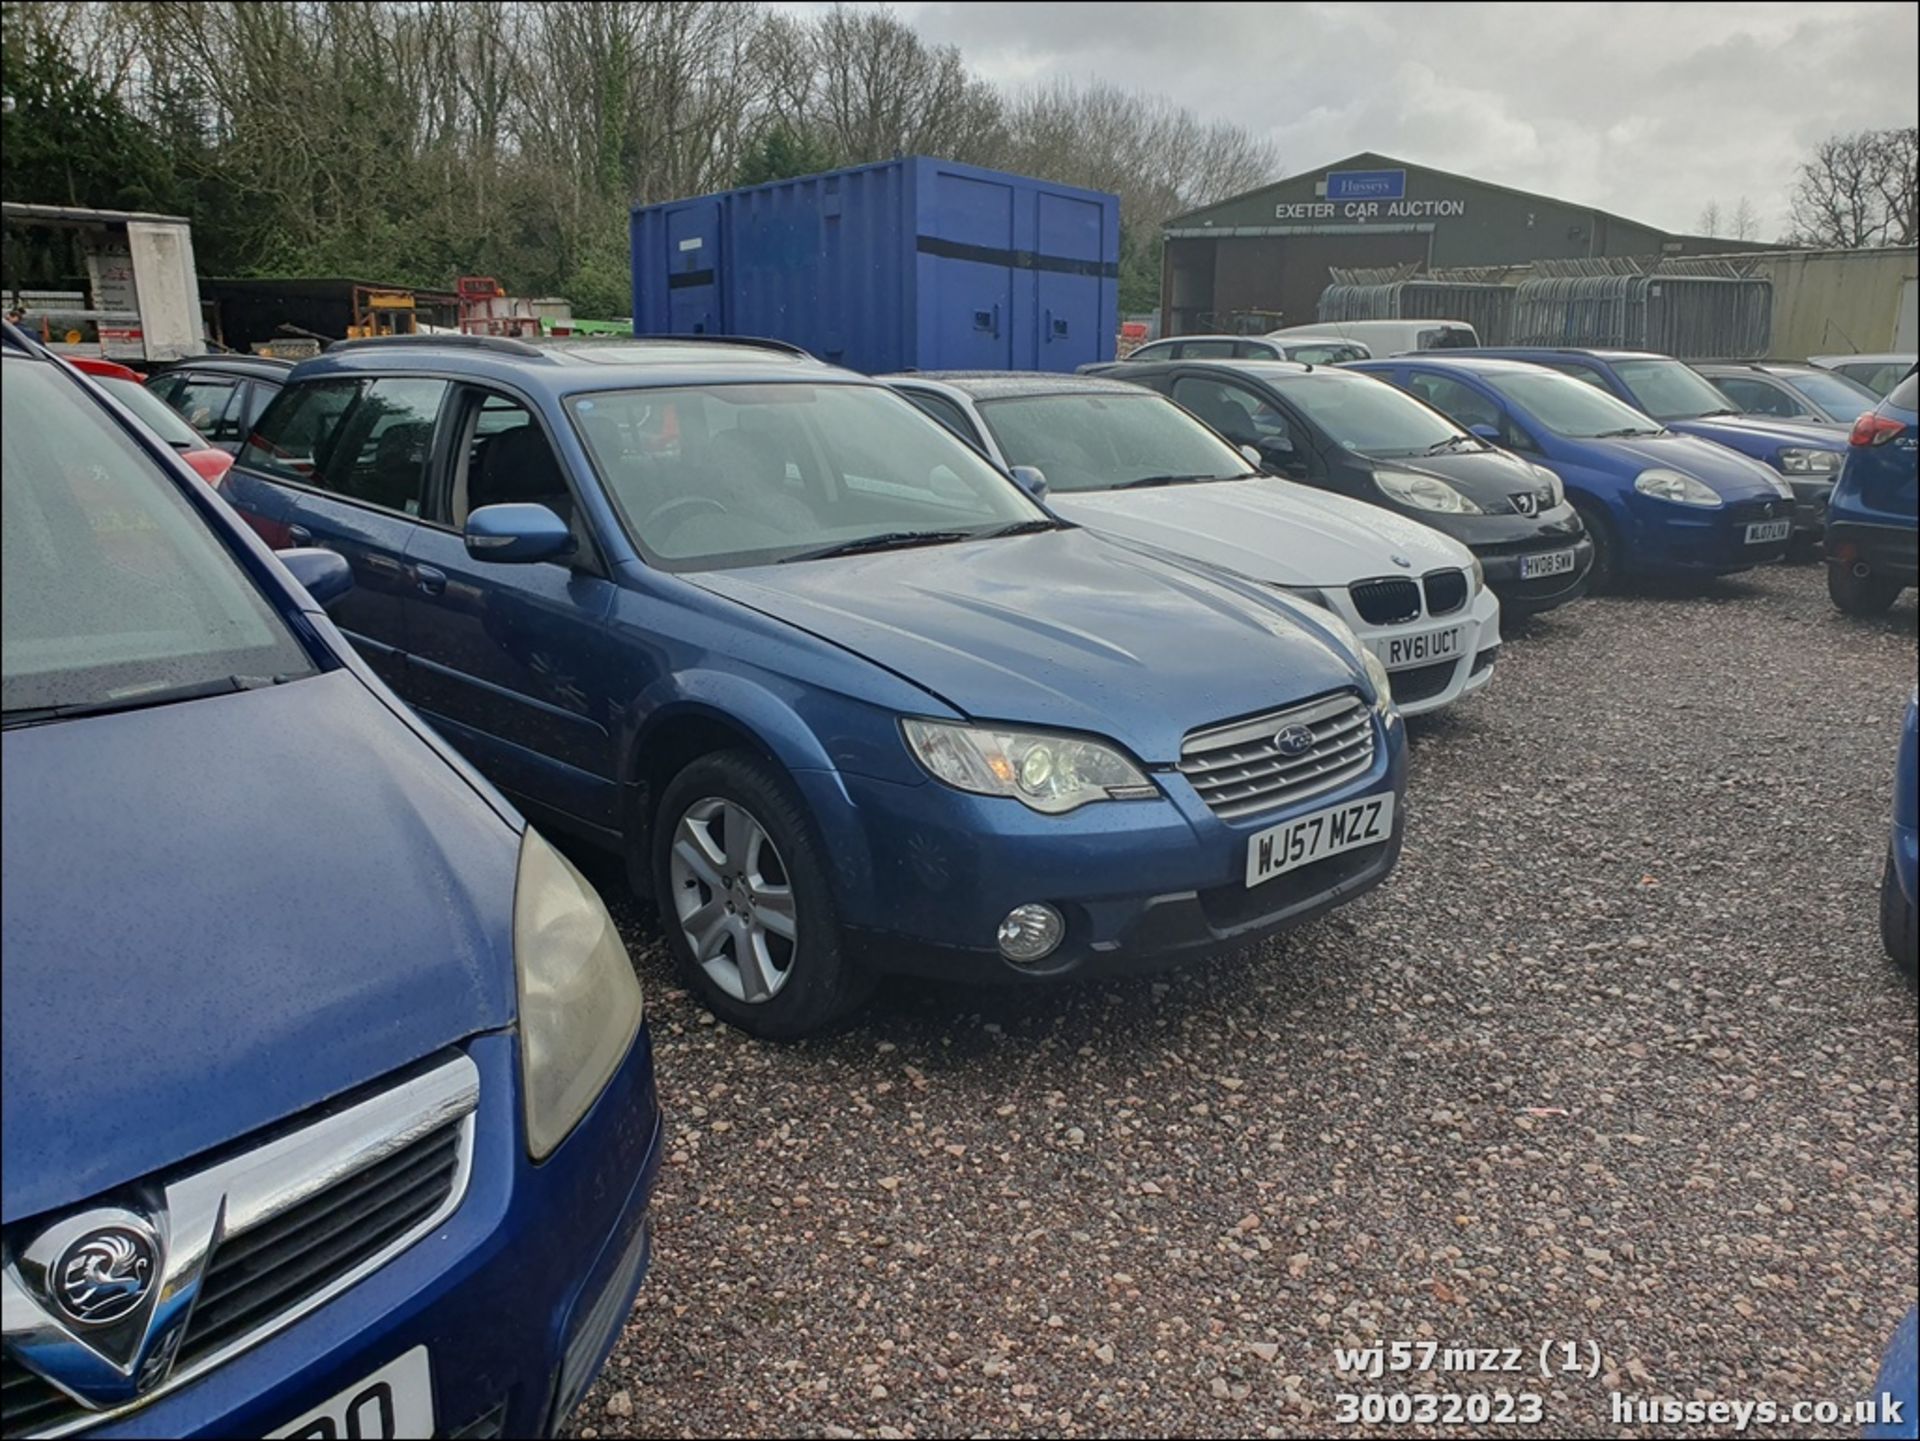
325 573
1488 433
1253 456
1030 480
518 533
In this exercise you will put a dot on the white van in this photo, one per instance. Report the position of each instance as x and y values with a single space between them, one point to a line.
1387 337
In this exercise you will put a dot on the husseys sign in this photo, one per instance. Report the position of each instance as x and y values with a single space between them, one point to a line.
1363 195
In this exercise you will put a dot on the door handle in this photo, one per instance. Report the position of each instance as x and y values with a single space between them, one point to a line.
299 535
430 579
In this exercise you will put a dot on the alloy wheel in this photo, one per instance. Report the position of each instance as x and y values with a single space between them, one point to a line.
734 899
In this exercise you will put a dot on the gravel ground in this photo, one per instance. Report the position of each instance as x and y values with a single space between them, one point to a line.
1614 1057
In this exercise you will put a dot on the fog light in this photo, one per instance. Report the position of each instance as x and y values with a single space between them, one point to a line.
1030 932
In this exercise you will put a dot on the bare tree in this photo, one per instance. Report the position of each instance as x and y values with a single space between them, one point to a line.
1745 224
1709 221
1858 190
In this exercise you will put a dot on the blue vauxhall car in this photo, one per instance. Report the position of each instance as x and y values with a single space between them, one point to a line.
847 698
329 1104
1805 454
1873 539
1653 501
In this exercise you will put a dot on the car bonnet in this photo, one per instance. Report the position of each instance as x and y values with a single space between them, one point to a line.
1060 629
222 912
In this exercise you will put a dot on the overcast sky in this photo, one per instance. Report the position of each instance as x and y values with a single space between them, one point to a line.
1645 110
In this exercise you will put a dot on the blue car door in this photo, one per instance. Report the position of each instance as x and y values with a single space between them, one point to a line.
516 663
341 463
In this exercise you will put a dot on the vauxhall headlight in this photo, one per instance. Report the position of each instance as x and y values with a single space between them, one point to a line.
1795 461
580 1003
1680 489
1424 492
1046 771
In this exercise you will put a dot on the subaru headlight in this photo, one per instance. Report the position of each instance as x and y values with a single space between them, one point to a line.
1672 485
580 1003
1382 685
1795 461
1424 492
1046 771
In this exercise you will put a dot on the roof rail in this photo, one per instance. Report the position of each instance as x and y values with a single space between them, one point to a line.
762 342
499 344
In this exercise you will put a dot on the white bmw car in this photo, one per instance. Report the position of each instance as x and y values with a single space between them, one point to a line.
1128 463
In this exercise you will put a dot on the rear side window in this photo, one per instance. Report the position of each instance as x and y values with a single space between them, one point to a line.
364 440
1204 350
946 412
292 437
209 406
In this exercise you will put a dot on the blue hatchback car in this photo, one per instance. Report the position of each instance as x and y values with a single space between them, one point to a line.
1873 537
329 1104
1653 501
846 697
1805 455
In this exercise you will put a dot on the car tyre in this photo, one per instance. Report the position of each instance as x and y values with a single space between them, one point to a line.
1859 594
1604 575
1897 924
742 887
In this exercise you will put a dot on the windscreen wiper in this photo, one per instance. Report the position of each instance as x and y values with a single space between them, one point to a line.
1021 527
1449 443
1151 480
137 700
1627 430
886 540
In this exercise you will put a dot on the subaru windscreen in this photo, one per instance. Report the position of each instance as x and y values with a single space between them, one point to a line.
1571 408
1108 441
116 594
1668 390
714 477
1374 418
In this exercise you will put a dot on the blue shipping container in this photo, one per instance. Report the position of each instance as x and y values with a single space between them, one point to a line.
910 264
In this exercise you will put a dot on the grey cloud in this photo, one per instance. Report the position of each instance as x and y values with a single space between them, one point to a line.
1646 110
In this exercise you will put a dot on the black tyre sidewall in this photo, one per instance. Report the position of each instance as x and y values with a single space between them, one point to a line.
824 985
1604 574
1897 924
1858 594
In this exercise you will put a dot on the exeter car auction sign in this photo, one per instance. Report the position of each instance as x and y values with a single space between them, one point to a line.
1364 195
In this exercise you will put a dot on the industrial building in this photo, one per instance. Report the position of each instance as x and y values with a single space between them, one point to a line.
1371 237
1262 259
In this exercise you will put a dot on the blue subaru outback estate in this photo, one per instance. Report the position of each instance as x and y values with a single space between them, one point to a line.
846 697
328 1101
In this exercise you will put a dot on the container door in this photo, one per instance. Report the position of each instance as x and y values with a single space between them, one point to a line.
1069 281
693 267
965 260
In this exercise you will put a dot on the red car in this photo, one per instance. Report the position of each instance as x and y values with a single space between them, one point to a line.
124 386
